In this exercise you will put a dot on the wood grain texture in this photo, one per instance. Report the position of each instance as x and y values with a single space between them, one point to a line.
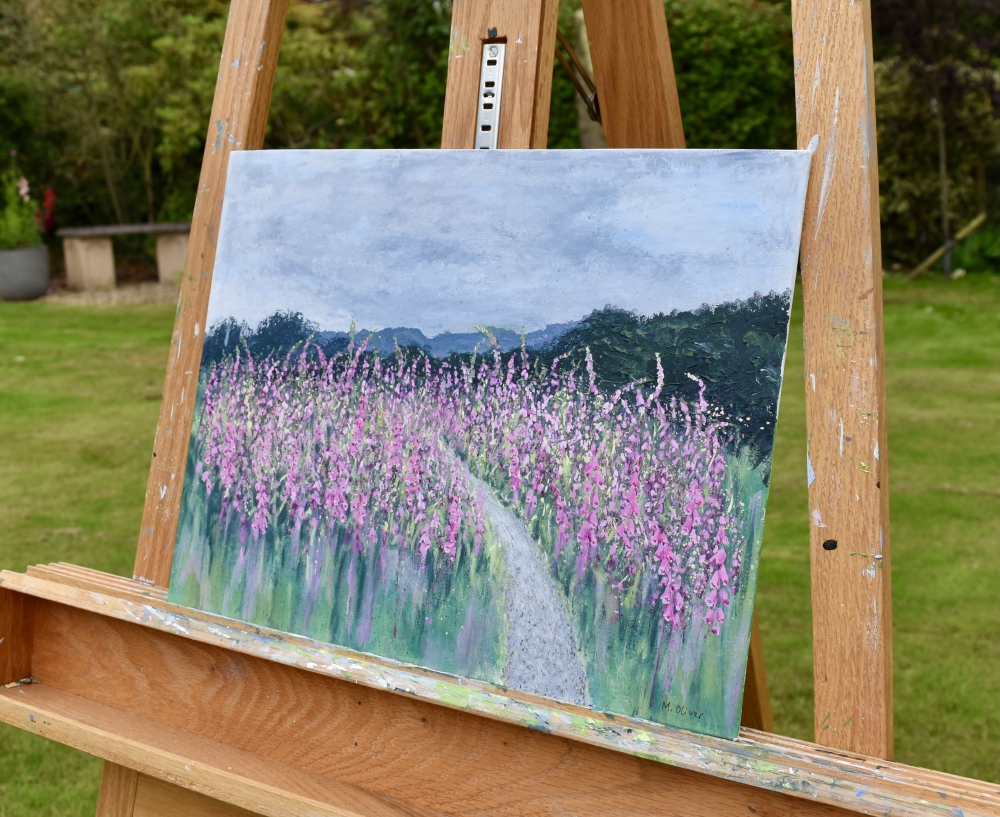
634 73
334 717
157 798
239 117
277 740
16 633
95 580
845 378
756 696
221 772
118 787
530 29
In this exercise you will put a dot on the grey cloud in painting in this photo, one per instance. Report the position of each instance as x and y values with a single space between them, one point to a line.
448 240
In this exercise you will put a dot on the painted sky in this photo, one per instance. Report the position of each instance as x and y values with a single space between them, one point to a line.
448 240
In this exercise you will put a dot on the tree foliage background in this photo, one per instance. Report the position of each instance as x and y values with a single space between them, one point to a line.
107 101
937 55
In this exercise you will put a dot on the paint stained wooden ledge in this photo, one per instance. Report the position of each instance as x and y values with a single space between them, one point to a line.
792 767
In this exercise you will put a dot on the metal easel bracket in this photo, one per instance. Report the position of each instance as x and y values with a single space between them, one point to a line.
490 94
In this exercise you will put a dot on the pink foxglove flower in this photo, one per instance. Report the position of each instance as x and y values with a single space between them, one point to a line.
628 488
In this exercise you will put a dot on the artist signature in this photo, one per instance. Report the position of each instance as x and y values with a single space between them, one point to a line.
680 709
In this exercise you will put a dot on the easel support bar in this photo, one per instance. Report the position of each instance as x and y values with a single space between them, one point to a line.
284 725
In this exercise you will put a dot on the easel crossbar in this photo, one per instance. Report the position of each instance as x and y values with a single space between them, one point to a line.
81 602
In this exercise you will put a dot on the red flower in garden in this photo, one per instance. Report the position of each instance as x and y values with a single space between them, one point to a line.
45 216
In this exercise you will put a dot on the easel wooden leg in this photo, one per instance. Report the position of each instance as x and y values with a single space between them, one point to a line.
845 379
634 73
530 29
756 697
239 118
118 787
15 636
157 798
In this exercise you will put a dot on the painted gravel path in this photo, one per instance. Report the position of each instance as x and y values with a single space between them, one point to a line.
541 650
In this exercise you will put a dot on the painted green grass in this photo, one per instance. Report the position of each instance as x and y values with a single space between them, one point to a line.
77 418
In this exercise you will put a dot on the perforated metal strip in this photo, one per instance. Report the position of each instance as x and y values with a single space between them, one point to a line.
490 88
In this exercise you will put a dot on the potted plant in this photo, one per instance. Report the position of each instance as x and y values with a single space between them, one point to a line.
24 259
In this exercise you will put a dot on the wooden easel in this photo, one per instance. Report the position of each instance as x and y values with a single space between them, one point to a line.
196 715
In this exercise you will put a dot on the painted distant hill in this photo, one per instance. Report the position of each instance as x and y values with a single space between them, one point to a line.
447 343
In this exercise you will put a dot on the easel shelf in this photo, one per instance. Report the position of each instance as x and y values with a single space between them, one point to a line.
263 721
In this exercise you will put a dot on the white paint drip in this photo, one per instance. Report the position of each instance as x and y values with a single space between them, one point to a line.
869 121
875 618
810 473
875 452
829 162
812 379
812 102
197 330
817 518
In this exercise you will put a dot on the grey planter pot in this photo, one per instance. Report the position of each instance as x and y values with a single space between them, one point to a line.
24 273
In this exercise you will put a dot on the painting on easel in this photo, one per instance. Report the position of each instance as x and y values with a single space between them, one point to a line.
506 415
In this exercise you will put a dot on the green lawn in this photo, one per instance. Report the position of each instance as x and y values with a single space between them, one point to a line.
79 393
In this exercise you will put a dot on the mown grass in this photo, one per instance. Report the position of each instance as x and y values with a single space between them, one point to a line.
79 395
78 413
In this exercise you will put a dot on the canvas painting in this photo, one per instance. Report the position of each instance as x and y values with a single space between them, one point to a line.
506 415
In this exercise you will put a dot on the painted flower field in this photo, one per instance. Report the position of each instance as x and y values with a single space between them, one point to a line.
357 498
